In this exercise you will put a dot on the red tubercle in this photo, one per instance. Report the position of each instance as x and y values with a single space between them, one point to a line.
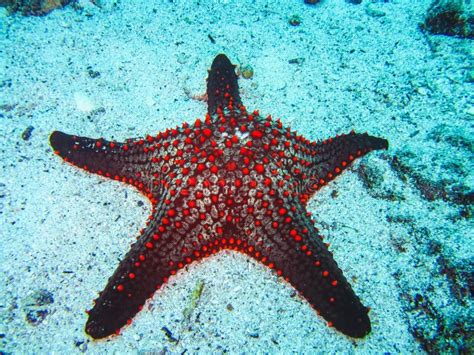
259 168
256 134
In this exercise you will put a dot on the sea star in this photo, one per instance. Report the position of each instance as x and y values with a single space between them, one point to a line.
234 180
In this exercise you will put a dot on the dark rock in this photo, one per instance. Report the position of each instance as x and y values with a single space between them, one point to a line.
311 2
355 2
254 335
34 7
27 133
451 18
93 73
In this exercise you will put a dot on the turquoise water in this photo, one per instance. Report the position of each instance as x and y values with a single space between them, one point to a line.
398 221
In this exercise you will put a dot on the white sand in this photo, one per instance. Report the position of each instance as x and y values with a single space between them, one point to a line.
65 231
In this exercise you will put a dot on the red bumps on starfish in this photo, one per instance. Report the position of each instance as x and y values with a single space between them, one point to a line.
260 176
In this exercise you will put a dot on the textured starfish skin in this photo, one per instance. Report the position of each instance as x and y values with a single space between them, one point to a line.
235 180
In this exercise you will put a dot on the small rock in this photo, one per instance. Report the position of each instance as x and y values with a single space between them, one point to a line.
93 73
311 2
294 20
373 11
246 71
254 335
422 91
229 307
355 2
27 133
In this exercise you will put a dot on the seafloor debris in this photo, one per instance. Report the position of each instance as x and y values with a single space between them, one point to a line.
294 20
246 71
169 335
451 18
379 182
196 295
33 7
35 306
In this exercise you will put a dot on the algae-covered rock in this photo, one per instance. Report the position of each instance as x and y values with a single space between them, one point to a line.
34 7
451 18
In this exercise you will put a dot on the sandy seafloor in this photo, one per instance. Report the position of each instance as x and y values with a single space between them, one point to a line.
399 222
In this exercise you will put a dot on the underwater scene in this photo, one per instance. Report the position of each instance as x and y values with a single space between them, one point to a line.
237 176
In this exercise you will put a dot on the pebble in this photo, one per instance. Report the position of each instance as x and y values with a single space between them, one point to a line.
422 91
372 11
247 72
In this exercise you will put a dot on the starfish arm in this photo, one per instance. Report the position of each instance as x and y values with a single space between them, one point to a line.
331 157
222 86
296 251
119 161
169 243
